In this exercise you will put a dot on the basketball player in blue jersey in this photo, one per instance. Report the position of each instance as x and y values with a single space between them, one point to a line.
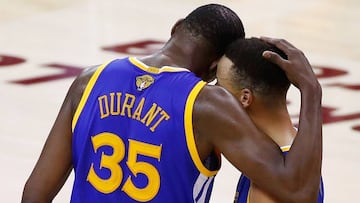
261 87
150 130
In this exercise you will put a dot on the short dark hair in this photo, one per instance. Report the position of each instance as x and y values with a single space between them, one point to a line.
253 71
218 24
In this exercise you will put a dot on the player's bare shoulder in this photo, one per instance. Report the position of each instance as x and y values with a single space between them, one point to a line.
213 98
213 106
78 86
216 114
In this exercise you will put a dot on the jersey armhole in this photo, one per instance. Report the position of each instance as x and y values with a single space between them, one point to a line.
189 133
87 92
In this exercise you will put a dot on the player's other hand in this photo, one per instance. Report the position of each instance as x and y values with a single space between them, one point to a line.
296 67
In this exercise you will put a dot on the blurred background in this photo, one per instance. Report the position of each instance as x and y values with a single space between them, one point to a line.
44 44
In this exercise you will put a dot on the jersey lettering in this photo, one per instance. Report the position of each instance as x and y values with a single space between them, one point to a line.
110 105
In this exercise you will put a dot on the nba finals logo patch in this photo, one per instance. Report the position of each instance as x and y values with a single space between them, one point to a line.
143 82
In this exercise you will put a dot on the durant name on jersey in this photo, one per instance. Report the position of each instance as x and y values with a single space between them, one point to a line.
120 104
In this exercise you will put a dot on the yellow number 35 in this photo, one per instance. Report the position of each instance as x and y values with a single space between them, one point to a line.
111 162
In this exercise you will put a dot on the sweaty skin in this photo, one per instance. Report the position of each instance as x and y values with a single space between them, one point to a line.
271 117
219 122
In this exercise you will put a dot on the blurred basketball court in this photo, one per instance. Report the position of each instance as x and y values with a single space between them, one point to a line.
45 44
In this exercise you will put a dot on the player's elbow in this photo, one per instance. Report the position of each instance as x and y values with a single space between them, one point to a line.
303 194
300 188
31 195
26 198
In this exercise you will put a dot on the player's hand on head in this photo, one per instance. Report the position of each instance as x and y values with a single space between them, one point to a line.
296 67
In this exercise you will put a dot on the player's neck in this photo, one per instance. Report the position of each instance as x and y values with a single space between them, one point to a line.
181 52
275 122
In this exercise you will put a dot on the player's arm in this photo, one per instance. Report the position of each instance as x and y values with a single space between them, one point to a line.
220 121
55 162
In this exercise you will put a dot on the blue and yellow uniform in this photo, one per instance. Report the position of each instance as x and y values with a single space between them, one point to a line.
133 137
243 187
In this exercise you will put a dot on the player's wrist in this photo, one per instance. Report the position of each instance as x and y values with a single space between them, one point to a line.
312 92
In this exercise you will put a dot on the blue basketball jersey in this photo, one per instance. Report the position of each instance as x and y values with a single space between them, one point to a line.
243 187
133 136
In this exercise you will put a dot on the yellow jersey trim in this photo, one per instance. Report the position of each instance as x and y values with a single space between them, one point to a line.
86 93
248 196
189 133
155 70
285 148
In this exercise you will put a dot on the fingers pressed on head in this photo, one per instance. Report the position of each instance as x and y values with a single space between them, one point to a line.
273 57
282 44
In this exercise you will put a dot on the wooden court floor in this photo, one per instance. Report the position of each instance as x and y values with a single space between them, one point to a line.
45 44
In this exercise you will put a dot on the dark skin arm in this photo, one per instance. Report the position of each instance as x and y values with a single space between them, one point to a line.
216 120
55 161
220 122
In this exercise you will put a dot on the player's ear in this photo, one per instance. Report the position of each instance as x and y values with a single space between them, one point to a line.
246 97
212 71
176 25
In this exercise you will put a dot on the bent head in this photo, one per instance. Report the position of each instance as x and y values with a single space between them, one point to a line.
217 24
211 28
246 74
